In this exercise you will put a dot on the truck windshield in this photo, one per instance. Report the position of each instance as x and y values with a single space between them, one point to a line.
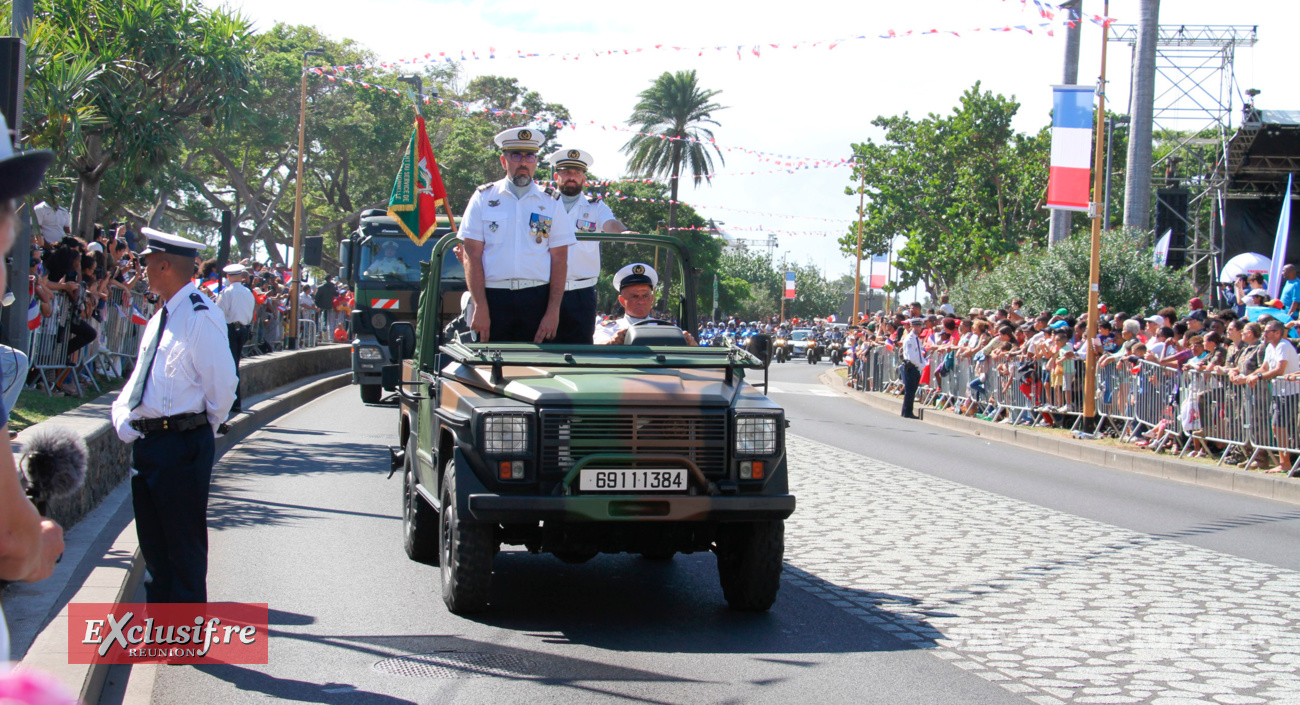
391 259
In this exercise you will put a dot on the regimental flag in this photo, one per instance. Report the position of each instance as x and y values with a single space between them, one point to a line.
789 285
1071 166
34 314
418 189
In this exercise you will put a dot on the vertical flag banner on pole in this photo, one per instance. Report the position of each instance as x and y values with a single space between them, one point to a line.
418 188
789 285
1161 254
1071 166
877 281
1279 243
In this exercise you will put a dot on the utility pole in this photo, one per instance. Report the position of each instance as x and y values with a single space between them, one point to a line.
291 340
1062 219
857 272
1137 185
1094 268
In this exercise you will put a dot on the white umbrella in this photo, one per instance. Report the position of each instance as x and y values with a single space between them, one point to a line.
1244 263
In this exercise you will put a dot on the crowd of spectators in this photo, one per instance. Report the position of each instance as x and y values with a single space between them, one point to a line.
1043 354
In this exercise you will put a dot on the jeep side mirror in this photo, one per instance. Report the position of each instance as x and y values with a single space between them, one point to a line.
760 345
401 340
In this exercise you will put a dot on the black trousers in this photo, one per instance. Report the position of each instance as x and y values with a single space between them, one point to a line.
911 380
238 335
516 313
577 317
170 496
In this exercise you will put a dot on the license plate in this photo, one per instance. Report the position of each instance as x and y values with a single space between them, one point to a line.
633 480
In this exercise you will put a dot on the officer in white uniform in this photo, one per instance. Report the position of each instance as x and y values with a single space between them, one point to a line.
237 303
177 397
590 214
516 239
636 292
913 360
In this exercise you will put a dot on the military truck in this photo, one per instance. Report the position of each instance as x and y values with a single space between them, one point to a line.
653 447
381 266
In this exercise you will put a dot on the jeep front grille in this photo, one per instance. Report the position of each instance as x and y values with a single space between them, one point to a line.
568 436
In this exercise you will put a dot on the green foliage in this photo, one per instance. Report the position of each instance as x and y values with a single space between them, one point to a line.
1057 277
752 286
964 188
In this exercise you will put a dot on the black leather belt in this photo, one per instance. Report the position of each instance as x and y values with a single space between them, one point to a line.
176 424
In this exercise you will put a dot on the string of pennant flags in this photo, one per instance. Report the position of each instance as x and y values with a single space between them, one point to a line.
787 161
757 228
1048 27
619 196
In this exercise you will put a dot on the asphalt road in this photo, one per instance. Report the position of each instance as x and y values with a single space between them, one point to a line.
923 566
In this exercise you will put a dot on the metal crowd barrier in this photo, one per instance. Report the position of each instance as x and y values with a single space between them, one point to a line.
1185 409
49 343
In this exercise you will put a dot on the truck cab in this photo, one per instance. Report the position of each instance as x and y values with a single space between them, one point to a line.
381 265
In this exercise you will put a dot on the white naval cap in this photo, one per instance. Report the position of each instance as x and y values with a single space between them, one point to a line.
168 244
235 268
636 273
570 158
519 139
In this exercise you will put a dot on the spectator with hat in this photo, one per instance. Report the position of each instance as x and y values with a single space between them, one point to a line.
516 248
588 214
171 408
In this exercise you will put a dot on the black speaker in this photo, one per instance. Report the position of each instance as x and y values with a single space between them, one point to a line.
1171 216
13 64
227 230
312 249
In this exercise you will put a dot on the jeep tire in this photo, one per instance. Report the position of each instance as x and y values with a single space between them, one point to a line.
371 393
749 563
419 520
466 548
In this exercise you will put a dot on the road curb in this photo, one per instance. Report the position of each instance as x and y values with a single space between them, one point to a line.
1280 489
117 574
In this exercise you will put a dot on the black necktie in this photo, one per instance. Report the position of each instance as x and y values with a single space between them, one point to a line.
149 353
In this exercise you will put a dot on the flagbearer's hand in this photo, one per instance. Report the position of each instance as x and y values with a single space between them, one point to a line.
550 322
481 324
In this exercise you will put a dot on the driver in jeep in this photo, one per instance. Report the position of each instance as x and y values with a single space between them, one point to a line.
636 292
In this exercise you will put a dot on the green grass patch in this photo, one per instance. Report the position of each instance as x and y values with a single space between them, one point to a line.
34 406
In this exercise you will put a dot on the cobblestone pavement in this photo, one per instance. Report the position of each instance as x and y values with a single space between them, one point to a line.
1058 608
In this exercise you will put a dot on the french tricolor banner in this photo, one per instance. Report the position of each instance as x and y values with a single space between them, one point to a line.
789 285
1068 184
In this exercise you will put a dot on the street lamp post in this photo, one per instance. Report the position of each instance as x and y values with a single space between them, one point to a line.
291 341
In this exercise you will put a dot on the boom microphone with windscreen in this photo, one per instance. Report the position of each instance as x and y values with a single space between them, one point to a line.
56 465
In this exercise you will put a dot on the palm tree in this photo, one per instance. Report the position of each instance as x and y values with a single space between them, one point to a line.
671 115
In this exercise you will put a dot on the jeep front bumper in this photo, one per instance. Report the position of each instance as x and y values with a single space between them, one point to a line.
721 508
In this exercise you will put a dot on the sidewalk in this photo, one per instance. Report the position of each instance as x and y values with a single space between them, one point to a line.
1279 488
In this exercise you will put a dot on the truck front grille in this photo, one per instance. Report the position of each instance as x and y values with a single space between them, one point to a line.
568 436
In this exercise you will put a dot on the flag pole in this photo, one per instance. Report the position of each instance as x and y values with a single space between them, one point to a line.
295 286
1094 268
857 271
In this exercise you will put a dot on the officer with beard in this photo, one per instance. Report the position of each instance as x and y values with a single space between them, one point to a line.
589 214
517 238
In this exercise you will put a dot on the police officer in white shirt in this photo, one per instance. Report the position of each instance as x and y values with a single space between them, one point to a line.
516 241
236 303
913 361
178 395
590 214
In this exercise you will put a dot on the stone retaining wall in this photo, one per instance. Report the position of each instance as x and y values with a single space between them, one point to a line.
110 459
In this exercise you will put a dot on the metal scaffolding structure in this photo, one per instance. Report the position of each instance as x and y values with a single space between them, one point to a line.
1196 87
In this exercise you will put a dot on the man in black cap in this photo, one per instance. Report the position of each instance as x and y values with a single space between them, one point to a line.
179 394
913 353
29 545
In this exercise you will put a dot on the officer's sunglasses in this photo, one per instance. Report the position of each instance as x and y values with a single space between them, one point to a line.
529 157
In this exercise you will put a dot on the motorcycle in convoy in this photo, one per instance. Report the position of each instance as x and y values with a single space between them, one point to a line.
814 351
781 349
835 351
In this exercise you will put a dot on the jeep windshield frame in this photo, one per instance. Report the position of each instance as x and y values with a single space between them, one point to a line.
551 354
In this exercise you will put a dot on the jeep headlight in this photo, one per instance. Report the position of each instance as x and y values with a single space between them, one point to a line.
506 434
756 435
370 354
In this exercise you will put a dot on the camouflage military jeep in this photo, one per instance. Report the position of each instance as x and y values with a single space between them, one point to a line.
580 450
